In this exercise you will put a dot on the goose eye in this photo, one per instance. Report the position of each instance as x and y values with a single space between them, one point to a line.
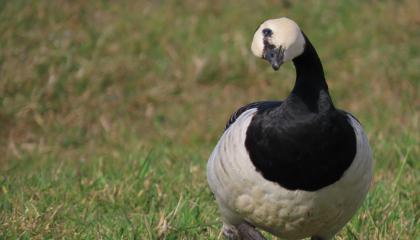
267 32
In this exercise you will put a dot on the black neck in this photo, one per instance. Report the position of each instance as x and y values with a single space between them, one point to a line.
310 83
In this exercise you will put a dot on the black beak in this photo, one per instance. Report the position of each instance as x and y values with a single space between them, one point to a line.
274 56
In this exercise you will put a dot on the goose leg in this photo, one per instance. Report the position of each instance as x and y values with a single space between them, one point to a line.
230 232
248 232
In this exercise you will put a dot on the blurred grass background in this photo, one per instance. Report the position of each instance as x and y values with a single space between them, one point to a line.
110 109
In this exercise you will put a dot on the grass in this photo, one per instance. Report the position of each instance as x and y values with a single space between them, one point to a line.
109 110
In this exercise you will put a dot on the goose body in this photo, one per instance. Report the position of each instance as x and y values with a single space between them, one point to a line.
295 168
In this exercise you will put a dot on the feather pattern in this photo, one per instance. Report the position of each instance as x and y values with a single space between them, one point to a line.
258 105
244 195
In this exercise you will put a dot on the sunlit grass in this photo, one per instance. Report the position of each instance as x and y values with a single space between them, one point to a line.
109 110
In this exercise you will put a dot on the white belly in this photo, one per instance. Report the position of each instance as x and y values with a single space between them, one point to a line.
244 195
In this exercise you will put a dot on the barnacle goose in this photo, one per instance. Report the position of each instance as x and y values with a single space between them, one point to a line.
295 168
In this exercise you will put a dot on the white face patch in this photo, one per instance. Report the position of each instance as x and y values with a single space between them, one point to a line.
285 33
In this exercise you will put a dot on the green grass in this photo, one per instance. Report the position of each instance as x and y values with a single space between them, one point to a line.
109 110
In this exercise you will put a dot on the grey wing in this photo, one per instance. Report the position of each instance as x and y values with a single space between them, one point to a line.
259 105
351 115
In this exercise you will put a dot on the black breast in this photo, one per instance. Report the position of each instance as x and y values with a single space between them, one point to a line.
301 150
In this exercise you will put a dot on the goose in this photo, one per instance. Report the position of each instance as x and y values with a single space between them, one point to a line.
297 168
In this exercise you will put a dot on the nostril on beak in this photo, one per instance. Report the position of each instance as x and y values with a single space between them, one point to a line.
275 66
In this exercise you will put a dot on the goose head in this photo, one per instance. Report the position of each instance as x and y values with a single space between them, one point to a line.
277 41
